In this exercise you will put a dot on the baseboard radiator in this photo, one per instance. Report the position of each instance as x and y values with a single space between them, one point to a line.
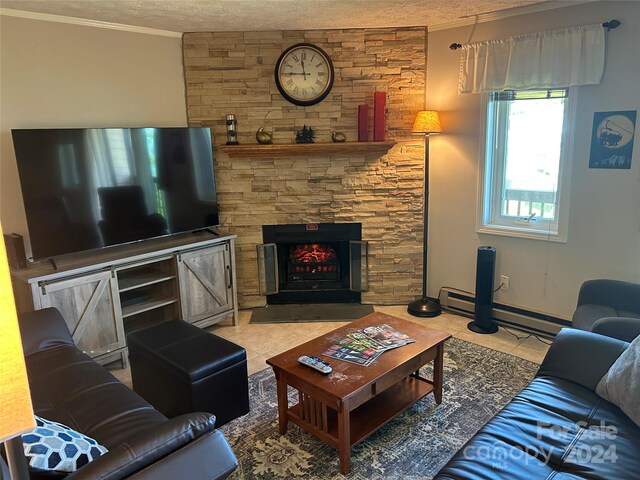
455 301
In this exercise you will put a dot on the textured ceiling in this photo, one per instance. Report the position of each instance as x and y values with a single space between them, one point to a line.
257 15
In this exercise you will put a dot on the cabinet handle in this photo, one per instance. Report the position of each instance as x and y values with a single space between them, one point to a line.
228 274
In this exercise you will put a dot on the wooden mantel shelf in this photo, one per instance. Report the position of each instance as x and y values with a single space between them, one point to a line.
308 149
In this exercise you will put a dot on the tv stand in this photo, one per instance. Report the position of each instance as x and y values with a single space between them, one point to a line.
107 294
208 230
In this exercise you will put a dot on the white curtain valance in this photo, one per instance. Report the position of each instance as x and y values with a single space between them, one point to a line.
555 58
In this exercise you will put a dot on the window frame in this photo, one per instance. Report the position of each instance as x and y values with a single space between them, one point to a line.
489 175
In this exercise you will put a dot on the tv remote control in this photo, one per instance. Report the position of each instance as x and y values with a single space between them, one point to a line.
315 363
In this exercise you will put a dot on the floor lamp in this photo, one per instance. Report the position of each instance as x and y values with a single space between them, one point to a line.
426 123
16 412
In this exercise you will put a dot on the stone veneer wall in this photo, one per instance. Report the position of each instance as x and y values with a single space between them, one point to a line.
233 72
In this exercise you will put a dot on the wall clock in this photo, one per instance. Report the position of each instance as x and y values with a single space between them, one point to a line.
304 74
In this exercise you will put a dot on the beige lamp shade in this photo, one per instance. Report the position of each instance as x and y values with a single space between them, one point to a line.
426 122
16 412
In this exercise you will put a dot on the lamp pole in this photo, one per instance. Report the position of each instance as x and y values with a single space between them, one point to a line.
424 307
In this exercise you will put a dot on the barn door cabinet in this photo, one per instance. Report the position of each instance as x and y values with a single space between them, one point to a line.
90 306
109 294
206 284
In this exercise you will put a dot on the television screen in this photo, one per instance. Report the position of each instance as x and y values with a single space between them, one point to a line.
92 188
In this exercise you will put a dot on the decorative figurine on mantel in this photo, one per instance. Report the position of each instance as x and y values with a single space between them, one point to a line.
305 135
263 137
338 137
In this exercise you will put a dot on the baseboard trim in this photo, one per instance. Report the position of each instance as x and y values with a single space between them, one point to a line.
527 320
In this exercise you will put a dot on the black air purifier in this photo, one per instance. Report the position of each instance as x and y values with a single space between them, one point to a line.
485 270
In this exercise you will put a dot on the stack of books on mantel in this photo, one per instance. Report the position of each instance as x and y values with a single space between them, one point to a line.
364 346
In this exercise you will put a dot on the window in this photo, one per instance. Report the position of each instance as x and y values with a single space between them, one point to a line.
526 169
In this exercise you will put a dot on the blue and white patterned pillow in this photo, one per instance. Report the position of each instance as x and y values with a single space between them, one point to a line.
54 446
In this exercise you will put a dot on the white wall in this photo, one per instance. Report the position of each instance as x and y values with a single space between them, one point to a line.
61 75
604 224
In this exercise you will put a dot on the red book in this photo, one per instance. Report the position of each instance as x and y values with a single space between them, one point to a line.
379 115
363 123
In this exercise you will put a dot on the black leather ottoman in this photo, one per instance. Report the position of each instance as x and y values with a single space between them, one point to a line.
179 368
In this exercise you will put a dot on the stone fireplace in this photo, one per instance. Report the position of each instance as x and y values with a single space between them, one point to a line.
232 72
313 263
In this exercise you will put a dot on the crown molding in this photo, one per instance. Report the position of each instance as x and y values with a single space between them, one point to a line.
510 12
47 17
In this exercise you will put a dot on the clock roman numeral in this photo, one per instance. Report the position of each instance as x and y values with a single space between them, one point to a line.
322 74
303 55
304 92
295 58
319 83
318 65
289 82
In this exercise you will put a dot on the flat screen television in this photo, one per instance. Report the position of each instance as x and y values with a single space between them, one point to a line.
91 188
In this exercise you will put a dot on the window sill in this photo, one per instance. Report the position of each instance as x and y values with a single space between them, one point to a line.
529 233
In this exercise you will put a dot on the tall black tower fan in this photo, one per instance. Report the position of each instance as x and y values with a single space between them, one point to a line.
485 270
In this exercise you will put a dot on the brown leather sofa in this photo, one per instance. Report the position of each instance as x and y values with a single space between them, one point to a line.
67 386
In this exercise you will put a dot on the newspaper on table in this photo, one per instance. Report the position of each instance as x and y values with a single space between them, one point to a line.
364 346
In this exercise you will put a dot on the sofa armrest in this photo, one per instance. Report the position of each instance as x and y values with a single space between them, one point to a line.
581 357
146 447
618 294
207 457
622 328
43 329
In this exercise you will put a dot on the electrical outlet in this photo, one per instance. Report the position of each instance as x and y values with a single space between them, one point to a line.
504 280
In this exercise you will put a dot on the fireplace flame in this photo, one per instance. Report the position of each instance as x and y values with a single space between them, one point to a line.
313 253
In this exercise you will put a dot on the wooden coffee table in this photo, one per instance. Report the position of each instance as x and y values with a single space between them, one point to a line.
349 404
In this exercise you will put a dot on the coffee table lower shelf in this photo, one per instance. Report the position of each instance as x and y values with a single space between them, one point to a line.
368 417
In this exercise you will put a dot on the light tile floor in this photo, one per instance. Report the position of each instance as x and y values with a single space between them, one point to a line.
266 340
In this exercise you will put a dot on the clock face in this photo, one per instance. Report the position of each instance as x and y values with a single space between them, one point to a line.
304 74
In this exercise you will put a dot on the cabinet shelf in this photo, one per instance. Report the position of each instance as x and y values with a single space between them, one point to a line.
308 149
146 306
142 279
140 322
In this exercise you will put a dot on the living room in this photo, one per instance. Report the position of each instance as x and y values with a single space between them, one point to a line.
62 74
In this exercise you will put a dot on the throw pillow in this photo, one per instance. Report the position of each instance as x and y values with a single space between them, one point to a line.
621 384
54 446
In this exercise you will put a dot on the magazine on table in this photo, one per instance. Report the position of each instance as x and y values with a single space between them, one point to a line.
364 346
348 355
388 336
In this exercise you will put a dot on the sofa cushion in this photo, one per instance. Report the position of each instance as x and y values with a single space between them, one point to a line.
54 446
553 428
621 384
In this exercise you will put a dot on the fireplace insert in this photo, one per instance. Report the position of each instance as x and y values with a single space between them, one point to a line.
313 263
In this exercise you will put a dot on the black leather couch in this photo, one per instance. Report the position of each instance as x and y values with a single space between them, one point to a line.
67 386
558 427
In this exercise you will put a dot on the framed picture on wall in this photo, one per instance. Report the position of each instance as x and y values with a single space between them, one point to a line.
612 139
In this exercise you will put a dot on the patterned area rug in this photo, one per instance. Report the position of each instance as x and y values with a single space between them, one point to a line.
415 445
